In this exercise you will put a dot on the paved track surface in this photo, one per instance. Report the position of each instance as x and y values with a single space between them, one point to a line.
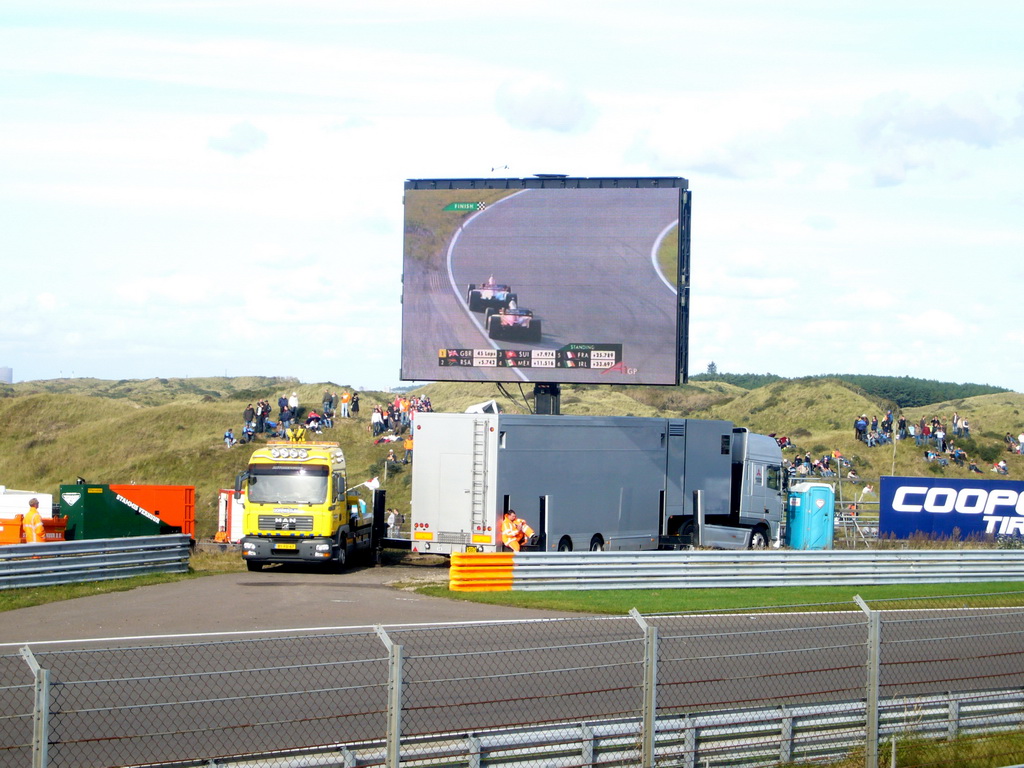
228 695
270 600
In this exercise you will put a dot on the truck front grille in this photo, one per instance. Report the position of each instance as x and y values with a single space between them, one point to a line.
286 522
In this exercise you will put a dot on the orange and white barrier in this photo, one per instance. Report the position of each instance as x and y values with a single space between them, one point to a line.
480 572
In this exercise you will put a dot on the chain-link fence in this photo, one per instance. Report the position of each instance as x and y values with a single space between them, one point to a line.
763 687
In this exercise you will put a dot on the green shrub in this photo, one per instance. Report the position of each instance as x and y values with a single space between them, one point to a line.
988 453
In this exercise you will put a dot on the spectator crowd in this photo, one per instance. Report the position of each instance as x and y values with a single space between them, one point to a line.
293 421
388 423
396 417
938 439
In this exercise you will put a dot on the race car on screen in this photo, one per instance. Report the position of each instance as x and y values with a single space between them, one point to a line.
489 294
512 323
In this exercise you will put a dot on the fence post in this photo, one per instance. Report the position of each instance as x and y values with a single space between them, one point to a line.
393 738
874 647
649 707
587 741
689 742
953 727
40 710
785 736
473 757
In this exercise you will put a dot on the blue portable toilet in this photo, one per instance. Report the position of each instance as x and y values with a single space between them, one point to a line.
809 516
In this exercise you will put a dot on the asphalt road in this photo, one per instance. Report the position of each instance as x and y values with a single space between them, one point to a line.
147 699
273 599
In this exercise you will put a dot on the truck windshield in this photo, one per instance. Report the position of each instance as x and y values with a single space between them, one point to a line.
287 484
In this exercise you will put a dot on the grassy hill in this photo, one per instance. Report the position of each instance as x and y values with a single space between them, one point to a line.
168 431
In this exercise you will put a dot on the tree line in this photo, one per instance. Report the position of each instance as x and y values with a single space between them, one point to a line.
904 391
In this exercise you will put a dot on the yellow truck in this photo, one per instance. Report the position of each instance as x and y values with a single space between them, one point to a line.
299 508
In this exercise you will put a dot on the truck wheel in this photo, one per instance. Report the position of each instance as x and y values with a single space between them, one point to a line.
759 539
341 562
597 543
254 565
565 544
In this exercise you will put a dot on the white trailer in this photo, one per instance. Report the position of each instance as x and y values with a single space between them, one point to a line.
619 483
13 502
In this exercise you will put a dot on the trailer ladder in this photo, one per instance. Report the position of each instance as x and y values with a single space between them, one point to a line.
477 490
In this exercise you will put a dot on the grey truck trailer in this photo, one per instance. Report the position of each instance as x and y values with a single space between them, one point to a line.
598 483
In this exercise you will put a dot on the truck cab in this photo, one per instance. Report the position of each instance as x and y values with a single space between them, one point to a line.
298 507
759 485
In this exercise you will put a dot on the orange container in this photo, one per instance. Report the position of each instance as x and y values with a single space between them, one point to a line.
175 505
53 528
10 529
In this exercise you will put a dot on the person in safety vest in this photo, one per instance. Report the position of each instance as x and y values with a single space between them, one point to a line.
297 433
32 525
514 532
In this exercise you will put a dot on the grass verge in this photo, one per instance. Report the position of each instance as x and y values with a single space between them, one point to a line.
618 602
201 563
982 751
612 602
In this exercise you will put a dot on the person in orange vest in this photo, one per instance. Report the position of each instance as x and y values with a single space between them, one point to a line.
32 525
346 402
514 532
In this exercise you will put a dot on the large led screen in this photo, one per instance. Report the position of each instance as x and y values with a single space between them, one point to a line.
548 280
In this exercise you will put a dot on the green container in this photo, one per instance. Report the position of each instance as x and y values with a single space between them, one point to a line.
97 512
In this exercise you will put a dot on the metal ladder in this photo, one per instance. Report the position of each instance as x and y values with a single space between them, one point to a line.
477 490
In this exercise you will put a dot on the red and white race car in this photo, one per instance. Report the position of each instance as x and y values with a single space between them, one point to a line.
513 323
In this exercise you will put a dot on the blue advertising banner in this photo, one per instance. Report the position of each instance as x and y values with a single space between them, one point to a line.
941 506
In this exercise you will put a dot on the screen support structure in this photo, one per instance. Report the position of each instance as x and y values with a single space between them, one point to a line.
547 399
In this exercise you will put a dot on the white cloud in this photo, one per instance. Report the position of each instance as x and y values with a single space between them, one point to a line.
816 221
542 104
241 139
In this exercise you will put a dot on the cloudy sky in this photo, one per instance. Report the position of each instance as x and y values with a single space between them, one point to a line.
211 187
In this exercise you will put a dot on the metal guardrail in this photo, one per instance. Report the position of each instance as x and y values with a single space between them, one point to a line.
537 571
761 737
750 737
68 562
